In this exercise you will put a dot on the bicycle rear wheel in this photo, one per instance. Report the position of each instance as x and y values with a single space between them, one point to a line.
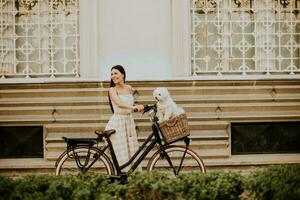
67 164
191 162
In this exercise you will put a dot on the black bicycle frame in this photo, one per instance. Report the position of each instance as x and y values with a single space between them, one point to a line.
157 140
153 137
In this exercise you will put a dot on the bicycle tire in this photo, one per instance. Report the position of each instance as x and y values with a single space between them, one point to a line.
66 163
191 163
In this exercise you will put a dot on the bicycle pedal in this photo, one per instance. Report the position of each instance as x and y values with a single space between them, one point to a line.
116 177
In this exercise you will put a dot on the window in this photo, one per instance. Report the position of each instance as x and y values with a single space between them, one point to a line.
245 36
21 142
39 38
265 137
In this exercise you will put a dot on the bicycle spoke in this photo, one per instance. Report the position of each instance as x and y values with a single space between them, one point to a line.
190 163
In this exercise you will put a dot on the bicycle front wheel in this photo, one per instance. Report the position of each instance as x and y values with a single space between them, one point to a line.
190 162
70 161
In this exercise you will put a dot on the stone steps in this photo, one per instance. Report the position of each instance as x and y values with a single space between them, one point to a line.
20 167
180 99
204 153
77 109
195 135
197 116
190 108
204 144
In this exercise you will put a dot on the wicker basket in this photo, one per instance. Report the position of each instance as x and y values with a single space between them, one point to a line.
175 128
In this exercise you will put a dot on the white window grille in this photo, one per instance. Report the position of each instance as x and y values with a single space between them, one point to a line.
245 36
39 38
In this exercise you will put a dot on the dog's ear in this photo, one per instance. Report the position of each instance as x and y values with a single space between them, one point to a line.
155 92
165 92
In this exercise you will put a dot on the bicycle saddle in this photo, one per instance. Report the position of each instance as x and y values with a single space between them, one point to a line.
105 133
80 141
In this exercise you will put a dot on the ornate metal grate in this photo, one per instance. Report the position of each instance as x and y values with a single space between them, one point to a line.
245 36
265 137
39 38
21 142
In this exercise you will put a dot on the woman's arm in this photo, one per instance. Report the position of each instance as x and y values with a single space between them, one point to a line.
139 108
114 97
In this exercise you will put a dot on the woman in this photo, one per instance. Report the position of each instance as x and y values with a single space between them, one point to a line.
122 105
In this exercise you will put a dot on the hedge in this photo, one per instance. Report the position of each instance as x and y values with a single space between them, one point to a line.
278 182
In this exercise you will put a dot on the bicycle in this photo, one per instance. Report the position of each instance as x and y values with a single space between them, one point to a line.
86 155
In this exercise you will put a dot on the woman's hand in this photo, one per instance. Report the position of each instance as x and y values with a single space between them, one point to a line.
138 108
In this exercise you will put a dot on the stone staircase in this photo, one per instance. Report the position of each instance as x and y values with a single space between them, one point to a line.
77 109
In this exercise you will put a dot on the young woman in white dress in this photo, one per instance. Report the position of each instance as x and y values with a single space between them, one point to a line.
122 105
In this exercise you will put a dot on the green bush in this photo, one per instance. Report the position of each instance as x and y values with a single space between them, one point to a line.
31 187
67 187
7 186
153 186
102 188
216 185
276 182
81 187
140 186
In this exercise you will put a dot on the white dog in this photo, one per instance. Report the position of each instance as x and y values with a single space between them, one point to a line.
166 107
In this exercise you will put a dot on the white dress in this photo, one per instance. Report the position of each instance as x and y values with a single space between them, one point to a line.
124 140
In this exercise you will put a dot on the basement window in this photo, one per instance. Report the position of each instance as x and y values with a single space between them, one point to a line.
21 142
265 138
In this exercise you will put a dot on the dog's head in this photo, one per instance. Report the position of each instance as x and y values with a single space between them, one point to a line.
161 94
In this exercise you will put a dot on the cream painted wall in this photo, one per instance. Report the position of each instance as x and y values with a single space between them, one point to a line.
149 38
135 34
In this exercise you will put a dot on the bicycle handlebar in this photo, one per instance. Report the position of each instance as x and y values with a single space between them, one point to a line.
147 108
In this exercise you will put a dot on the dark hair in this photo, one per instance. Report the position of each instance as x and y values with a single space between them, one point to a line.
112 84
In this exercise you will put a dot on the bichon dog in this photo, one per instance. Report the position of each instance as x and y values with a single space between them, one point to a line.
166 107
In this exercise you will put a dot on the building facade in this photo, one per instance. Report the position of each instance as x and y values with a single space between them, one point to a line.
233 66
